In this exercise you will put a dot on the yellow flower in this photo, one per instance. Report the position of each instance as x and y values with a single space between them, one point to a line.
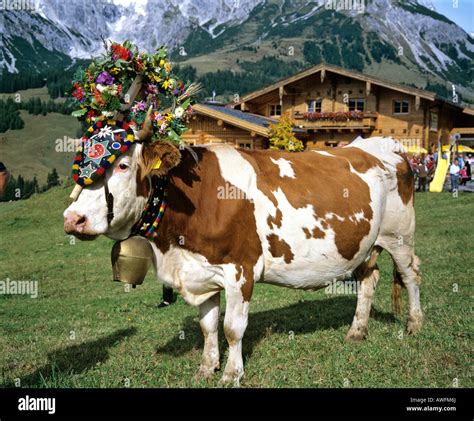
166 83
92 87
115 70
162 63
157 78
169 117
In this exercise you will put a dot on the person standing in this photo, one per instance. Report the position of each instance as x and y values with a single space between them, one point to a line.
463 176
454 171
467 164
422 176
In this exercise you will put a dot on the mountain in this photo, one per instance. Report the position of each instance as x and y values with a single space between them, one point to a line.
400 40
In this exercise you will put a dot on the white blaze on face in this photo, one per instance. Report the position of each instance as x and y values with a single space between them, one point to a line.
122 183
286 170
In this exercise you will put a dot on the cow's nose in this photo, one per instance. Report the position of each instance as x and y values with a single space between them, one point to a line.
74 223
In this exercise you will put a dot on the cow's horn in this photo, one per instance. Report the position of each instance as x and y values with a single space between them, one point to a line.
76 191
146 132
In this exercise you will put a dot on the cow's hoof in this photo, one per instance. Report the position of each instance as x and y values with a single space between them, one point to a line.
231 379
205 372
356 335
414 325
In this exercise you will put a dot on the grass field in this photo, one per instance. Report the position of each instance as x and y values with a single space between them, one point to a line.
31 151
83 330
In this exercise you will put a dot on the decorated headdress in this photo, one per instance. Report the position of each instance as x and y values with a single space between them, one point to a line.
126 96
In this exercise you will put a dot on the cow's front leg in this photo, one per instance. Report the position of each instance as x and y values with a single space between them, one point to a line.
208 319
235 323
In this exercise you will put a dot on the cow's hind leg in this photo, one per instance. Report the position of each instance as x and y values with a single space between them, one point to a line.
367 275
407 270
208 319
235 323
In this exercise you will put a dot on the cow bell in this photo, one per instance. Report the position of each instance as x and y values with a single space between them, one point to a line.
131 259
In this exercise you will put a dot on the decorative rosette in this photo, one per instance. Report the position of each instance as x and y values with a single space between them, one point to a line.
103 143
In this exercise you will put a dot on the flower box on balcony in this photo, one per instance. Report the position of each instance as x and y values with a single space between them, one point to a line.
334 116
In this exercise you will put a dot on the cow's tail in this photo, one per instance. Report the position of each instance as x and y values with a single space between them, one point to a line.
397 286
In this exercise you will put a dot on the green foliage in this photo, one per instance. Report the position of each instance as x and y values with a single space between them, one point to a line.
282 136
254 76
35 106
379 50
52 179
13 82
20 189
10 116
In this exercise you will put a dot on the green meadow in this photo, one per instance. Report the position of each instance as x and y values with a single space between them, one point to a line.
83 330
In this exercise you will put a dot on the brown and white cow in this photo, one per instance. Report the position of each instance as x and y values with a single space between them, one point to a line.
237 217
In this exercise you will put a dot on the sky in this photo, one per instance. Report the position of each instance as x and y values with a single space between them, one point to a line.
463 14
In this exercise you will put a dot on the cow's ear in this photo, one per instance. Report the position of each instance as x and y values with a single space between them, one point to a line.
159 158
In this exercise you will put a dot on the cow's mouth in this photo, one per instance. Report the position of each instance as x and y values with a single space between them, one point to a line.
85 237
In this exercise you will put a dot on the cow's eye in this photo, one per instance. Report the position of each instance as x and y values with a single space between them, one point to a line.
123 167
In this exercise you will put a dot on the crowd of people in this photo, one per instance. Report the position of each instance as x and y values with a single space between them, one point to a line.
424 167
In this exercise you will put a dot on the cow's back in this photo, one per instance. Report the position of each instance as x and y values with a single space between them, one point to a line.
317 213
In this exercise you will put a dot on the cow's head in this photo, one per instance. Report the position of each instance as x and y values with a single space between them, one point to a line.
128 181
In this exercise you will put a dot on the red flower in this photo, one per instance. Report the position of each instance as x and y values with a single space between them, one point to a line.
120 52
78 92
98 98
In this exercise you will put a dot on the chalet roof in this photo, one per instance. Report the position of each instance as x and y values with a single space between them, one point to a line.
247 121
431 96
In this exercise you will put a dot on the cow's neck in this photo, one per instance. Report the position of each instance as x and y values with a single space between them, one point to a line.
154 210
190 195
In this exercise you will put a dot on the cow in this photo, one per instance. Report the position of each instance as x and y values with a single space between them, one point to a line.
238 217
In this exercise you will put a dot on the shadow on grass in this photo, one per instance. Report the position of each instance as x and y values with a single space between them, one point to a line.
73 359
300 318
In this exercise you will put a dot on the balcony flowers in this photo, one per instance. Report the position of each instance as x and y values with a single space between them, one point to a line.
334 116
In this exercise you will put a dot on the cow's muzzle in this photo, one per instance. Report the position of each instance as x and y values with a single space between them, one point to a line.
78 226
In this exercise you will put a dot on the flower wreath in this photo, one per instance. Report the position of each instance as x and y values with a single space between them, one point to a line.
99 91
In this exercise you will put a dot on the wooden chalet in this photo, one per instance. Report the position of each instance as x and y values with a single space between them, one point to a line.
331 106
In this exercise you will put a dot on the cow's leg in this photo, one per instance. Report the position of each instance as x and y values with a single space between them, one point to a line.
367 275
235 323
407 267
208 320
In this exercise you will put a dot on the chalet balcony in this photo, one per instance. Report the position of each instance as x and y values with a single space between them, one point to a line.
336 120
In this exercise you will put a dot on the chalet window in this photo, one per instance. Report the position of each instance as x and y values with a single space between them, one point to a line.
245 145
356 104
275 110
314 106
400 107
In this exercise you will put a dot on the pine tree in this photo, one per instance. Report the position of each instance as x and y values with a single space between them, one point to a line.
282 136
20 184
52 179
